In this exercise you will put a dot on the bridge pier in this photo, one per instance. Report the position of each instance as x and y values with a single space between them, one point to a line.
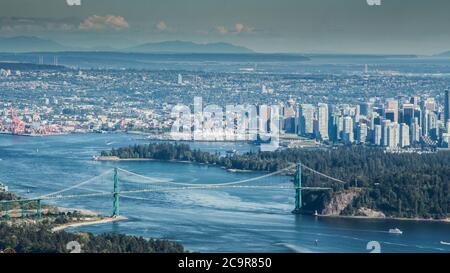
116 194
298 190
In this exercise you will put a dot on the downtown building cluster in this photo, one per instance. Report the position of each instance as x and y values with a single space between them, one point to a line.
390 123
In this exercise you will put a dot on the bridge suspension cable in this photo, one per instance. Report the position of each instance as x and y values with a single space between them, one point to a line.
216 184
75 186
322 174
184 186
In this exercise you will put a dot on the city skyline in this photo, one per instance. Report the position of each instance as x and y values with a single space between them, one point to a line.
324 26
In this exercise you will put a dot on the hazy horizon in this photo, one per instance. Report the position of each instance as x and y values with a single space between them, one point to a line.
285 26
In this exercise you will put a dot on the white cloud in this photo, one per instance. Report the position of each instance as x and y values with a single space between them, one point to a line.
236 29
28 24
97 22
222 29
161 26
240 28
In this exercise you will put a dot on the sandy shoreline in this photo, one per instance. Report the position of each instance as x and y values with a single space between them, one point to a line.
89 223
83 212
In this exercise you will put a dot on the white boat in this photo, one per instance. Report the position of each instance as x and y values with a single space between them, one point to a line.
395 231
445 243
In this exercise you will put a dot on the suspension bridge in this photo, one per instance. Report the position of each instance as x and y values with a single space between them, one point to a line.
146 184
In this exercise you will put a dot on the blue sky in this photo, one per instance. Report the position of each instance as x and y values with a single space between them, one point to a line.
333 26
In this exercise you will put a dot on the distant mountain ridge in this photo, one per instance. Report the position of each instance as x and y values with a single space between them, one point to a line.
444 54
29 44
23 44
188 47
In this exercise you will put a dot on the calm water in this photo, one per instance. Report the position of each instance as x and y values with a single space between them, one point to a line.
203 220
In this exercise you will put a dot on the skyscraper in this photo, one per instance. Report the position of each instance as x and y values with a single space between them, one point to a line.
322 122
384 136
393 135
362 133
306 119
348 136
377 135
415 131
391 111
289 115
408 113
447 105
404 135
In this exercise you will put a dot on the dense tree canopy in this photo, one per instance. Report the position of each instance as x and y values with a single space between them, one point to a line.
40 238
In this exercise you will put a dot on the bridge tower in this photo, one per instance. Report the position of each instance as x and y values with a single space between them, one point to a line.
38 209
298 189
6 212
116 194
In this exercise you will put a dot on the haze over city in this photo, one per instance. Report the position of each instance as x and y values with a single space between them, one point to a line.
307 26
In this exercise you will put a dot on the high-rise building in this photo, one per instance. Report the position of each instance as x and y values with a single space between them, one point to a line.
432 123
391 111
362 133
384 135
377 135
415 131
430 104
408 114
393 135
447 105
338 126
404 135
289 115
365 108
347 133
306 119
414 100
321 130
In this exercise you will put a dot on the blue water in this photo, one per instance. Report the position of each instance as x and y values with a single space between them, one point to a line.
203 220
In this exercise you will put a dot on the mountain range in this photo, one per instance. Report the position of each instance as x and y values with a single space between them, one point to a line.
188 47
28 44
444 54
23 44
